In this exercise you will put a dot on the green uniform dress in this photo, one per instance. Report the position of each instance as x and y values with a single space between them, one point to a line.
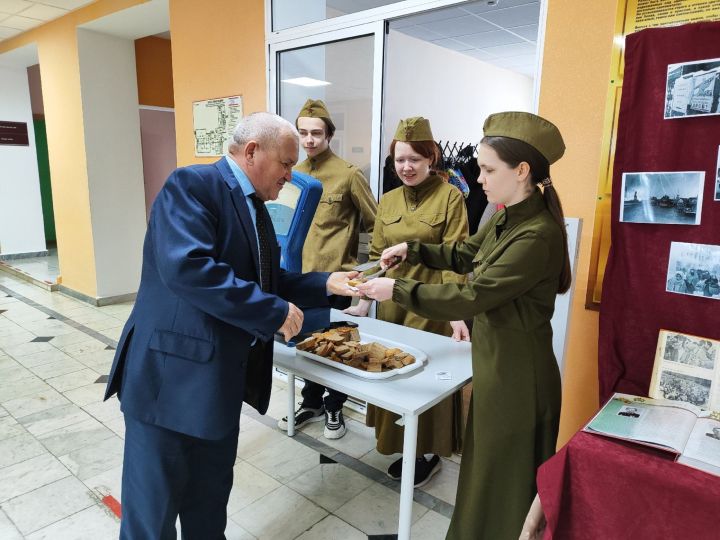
332 241
432 212
516 259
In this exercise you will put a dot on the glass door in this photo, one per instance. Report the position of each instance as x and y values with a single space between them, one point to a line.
344 69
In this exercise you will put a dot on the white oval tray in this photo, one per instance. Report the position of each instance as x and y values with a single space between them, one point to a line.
420 358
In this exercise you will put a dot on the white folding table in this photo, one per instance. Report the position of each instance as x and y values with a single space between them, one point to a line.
407 395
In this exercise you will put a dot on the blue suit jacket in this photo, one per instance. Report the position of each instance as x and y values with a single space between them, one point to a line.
181 362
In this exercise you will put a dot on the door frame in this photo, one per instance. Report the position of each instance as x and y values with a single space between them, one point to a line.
377 31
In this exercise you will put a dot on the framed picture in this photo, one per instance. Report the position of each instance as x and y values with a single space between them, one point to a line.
214 121
693 89
686 368
667 198
694 269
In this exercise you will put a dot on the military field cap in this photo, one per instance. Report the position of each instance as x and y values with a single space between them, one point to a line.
530 128
315 108
416 128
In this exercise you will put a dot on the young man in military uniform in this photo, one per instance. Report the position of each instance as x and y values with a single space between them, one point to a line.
332 241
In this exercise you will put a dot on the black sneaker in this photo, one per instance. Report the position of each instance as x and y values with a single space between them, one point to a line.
395 470
334 424
425 469
304 415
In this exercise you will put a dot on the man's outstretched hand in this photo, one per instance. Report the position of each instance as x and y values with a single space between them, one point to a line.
337 283
293 322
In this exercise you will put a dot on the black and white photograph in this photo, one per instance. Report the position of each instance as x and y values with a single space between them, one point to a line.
630 412
717 177
690 350
663 198
693 89
680 387
694 269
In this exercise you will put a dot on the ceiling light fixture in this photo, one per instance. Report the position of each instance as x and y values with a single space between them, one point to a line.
306 81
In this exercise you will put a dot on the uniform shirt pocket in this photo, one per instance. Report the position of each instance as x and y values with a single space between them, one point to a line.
389 220
331 198
434 226
433 220
184 346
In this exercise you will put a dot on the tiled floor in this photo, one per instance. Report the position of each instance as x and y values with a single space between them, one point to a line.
61 446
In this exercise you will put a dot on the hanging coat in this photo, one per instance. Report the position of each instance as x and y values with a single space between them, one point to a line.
432 212
516 260
476 201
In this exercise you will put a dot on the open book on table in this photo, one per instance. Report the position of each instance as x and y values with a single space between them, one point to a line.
689 432
687 368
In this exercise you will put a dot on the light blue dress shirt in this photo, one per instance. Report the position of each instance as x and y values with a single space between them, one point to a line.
247 189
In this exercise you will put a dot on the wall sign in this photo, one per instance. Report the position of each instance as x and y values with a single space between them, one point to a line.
214 121
14 133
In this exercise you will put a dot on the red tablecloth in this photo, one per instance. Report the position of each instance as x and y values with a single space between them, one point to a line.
600 488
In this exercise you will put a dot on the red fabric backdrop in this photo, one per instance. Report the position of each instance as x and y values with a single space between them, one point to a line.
635 305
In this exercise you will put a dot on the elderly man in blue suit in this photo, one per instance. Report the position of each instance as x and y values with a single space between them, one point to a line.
199 340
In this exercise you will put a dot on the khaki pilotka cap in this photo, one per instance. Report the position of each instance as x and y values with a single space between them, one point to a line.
315 108
415 129
530 128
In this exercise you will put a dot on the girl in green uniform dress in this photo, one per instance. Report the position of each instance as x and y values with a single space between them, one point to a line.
519 262
425 207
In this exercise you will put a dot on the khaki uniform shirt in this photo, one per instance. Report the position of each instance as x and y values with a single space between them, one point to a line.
432 212
346 201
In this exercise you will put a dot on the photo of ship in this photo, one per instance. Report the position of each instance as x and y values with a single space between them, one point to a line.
662 197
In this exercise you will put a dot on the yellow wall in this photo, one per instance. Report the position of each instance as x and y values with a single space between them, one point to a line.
60 74
573 92
153 65
59 69
231 61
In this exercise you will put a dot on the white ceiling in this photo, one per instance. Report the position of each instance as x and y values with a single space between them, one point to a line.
17 16
147 19
504 35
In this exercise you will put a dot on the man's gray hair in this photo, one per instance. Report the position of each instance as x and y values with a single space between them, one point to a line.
263 127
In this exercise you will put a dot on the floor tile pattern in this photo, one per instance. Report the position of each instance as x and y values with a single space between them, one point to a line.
61 445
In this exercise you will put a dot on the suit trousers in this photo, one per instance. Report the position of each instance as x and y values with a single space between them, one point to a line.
167 474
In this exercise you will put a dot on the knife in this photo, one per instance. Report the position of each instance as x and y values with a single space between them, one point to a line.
366 265
376 264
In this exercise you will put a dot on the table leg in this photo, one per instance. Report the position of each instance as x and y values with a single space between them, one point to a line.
291 404
407 483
